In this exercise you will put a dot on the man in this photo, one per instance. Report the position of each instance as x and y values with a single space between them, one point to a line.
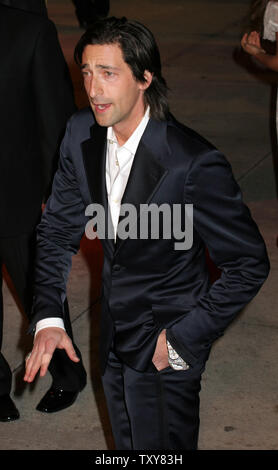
160 316
36 99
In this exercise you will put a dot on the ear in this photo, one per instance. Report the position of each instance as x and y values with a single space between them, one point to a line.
148 76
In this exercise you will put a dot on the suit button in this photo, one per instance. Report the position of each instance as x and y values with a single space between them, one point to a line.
116 267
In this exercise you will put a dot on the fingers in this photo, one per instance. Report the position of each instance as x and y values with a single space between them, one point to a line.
252 39
257 40
39 359
244 41
46 341
46 357
244 38
160 357
68 347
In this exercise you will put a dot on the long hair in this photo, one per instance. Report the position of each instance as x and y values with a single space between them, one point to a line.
254 20
140 52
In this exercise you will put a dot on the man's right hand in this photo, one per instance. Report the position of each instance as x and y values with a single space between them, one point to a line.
45 343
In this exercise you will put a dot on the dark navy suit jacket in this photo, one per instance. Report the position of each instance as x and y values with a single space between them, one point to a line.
147 284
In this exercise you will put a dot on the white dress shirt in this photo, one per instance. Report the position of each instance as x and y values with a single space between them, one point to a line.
119 160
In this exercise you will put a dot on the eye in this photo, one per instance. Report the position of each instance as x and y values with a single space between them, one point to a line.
108 74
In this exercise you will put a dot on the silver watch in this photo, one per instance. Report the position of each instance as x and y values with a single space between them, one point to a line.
175 361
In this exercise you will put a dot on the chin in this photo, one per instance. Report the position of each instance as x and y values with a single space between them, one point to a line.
101 121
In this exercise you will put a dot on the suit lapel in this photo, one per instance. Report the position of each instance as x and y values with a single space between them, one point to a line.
147 172
94 156
94 151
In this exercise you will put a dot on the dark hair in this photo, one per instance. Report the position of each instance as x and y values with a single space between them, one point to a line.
254 20
140 52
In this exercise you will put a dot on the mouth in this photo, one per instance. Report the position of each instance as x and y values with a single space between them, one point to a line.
101 108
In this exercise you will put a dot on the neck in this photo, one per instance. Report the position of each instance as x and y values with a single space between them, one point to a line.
124 134
124 129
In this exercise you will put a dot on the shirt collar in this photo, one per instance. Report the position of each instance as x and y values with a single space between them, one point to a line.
132 143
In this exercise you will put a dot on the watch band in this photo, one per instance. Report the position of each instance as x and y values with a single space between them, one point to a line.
175 361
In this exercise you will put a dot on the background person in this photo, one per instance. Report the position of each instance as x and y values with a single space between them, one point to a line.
36 99
261 42
88 11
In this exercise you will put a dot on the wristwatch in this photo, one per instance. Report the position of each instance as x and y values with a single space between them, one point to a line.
175 361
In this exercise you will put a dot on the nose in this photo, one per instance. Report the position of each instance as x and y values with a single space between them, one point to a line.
94 88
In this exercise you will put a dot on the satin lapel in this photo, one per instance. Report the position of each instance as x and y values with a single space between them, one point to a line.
147 172
94 156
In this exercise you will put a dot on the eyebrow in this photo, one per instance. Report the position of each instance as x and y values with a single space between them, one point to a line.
100 66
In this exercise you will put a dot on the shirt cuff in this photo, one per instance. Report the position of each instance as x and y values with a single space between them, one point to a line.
49 322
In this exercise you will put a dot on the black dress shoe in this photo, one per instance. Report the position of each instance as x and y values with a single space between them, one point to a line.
8 410
56 399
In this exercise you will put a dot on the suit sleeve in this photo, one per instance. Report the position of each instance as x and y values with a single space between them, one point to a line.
58 239
235 245
54 97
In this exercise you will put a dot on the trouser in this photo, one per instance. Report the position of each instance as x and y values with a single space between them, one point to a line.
152 410
17 253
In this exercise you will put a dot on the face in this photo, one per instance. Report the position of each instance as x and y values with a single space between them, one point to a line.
116 98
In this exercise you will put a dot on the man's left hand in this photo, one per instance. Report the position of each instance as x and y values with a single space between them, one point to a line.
160 357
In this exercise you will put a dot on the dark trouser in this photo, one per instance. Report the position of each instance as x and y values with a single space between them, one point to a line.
18 254
152 410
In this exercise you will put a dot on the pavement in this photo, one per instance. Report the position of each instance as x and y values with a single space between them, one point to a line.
216 90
